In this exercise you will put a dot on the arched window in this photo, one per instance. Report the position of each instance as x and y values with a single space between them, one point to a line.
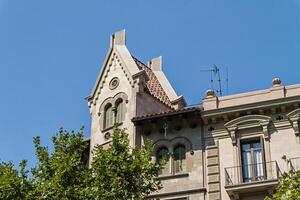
163 153
179 159
119 111
108 116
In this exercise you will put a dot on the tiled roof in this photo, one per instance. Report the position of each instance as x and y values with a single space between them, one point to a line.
153 85
167 113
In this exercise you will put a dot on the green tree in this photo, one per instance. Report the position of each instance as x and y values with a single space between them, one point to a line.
14 184
117 172
61 174
121 172
289 186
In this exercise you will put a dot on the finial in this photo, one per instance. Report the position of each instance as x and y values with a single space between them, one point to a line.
276 82
210 93
118 38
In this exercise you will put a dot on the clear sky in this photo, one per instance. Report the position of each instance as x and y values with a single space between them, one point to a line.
51 53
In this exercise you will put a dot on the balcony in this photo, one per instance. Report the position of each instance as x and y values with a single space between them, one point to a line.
295 163
257 177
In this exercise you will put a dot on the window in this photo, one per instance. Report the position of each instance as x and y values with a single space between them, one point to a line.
175 164
179 159
119 111
108 116
163 153
112 114
252 161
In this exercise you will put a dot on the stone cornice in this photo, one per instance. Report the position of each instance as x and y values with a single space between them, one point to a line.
251 106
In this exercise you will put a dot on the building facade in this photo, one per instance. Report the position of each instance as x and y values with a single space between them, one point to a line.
230 147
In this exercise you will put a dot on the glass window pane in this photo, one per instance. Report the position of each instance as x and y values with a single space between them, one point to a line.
246 147
119 112
179 153
259 173
109 117
252 161
163 153
179 159
257 145
247 172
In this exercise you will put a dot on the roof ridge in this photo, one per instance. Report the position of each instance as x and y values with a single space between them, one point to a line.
153 85
140 62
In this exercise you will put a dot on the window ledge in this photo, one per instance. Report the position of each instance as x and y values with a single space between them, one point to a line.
172 176
111 127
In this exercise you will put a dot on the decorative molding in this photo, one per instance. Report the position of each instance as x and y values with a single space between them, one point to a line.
172 176
261 106
114 60
114 83
180 192
232 133
253 120
172 143
294 118
113 102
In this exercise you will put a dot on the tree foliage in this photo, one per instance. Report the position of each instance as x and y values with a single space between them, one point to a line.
289 186
14 184
117 172
121 172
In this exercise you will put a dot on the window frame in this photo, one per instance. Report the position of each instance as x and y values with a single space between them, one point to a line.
171 160
119 113
245 140
161 172
111 114
181 160
121 96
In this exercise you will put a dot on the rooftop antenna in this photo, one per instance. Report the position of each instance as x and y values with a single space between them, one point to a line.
215 76
227 80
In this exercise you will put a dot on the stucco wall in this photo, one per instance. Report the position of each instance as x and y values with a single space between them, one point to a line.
284 142
146 104
193 177
113 69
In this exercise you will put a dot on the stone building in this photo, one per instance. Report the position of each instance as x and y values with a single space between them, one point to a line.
230 147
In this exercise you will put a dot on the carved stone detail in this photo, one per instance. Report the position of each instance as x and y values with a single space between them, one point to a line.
294 118
232 132
233 125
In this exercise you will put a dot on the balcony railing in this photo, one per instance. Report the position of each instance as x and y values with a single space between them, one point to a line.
252 173
295 163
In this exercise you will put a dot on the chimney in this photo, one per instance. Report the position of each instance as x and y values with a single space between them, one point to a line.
118 38
155 63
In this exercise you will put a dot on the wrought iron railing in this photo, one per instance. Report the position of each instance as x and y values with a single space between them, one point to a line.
252 173
295 163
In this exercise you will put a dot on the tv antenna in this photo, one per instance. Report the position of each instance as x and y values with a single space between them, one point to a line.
215 76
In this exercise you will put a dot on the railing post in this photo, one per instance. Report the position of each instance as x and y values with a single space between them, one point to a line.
226 177
269 170
256 172
295 163
278 171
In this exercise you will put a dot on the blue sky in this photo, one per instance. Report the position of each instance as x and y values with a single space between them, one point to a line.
51 53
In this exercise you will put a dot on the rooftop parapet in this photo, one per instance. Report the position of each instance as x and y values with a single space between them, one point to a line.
277 91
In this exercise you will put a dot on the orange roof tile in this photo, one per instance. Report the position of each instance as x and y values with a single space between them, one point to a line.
153 85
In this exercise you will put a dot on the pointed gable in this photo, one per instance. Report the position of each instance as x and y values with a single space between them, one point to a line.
134 68
117 52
